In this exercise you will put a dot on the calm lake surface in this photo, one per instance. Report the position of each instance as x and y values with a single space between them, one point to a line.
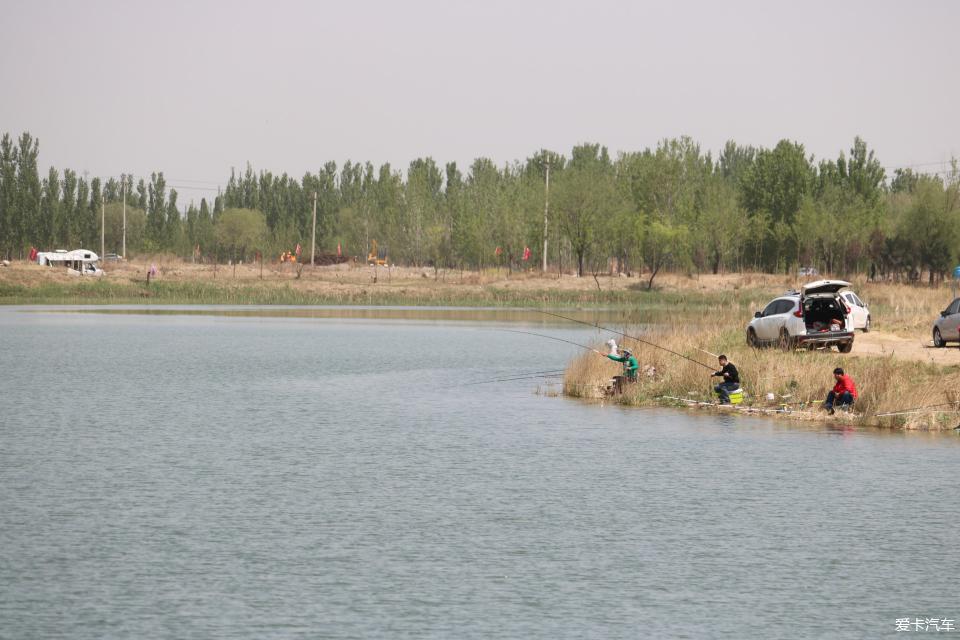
261 476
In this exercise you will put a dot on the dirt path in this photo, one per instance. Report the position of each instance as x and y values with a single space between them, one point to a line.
881 343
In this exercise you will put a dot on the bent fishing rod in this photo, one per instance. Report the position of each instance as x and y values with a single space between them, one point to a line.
620 333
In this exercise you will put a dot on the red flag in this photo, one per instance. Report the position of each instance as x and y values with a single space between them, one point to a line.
526 253
297 250
33 253
338 250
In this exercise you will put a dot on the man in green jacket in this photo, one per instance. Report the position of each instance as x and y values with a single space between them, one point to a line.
630 367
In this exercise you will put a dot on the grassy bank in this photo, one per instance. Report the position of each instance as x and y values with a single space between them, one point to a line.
799 380
106 292
906 310
196 284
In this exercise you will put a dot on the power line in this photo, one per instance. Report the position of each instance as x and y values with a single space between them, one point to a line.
917 164
188 187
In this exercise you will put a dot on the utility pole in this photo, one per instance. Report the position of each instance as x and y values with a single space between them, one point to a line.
125 217
546 211
313 236
103 223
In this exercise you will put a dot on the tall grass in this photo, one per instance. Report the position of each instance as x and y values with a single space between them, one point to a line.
798 379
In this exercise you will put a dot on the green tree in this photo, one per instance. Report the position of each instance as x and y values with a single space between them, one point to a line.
721 225
930 227
239 232
204 237
82 222
93 215
156 210
8 194
50 210
904 181
664 243
778 181
28 187
587 197
69 232
136 226
423 199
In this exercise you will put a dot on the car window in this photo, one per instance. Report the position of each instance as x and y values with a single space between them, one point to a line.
770 309
954 307
857 300
786 306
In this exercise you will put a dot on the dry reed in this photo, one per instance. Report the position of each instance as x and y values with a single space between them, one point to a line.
798 379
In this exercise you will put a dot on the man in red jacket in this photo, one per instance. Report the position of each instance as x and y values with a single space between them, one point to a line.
844 392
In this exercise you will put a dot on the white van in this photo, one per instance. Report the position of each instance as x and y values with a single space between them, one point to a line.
77 262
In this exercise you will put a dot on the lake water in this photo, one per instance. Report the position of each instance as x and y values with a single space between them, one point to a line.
215 476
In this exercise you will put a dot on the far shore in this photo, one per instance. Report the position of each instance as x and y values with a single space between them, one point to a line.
694 313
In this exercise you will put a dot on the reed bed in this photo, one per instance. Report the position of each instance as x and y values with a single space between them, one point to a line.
799 380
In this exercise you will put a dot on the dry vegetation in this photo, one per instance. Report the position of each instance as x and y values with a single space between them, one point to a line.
799 380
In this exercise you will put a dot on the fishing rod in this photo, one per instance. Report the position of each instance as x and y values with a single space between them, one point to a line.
916 409
657 346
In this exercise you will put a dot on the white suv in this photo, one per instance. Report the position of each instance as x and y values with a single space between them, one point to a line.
817 316
859 312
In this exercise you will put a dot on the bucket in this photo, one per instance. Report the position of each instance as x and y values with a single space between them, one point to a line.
736 397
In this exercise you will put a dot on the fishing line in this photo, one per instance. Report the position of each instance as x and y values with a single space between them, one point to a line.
620 333
530 375
556 373
541 335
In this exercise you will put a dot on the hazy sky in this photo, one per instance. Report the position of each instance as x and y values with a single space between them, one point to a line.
193 88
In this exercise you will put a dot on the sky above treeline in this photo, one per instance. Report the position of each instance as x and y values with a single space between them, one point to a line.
195 88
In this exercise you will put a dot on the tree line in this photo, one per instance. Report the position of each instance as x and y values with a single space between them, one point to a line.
672 207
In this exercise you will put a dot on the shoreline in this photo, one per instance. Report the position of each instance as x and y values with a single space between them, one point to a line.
841 419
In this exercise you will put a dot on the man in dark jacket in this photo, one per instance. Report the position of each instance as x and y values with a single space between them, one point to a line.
731 379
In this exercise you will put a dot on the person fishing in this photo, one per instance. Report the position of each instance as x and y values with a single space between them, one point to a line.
843 394
731 379
630 366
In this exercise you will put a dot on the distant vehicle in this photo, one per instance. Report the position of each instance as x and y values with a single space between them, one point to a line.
77 262
807 271
947 327
377 255
817 316
859 312
111 257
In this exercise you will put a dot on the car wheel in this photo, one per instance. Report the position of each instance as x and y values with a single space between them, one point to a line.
752 338
937 338
866 327
845 347
785 341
